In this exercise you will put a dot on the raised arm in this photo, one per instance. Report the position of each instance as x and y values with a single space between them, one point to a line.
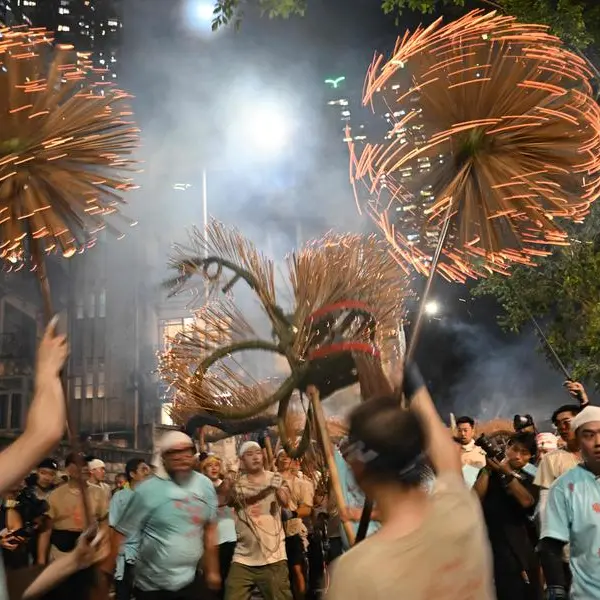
46 418
441 449
86 553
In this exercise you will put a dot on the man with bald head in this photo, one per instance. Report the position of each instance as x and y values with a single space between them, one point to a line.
573 516
174 515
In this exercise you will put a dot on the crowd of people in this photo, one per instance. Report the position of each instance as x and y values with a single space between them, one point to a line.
454 515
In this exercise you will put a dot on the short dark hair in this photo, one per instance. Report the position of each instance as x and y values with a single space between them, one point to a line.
392 437
463 420
48 463
525 439
133 464
575 409
71 459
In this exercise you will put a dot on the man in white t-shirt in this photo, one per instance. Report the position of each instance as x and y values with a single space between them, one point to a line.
471 453
431 545
259 559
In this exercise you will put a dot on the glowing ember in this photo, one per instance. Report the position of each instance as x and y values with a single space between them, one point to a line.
64 146
492 123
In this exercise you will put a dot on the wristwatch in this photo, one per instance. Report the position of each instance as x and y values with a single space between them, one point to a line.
506 478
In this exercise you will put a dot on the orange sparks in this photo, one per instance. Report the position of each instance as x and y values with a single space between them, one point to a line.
60 141
505 158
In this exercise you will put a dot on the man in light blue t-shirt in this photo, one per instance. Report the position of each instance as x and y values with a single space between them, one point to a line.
174 514
137 471
573 516
354 498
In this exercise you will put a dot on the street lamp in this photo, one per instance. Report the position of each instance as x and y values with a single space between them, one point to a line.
265 129
432 308
198 15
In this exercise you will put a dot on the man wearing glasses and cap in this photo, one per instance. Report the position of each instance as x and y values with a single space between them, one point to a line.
174 515
573 516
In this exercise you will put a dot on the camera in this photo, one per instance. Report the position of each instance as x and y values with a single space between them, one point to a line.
491 449
521 422
31 508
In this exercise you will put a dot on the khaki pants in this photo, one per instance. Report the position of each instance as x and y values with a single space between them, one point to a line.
271 580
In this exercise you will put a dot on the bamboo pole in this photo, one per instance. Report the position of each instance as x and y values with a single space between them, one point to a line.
412 344
269 451
42 275
100 589
336 485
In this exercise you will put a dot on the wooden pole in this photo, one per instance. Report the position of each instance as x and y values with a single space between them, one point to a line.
269 451
44 282
336 484
100 590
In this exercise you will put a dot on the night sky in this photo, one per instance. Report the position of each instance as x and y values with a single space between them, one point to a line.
191 87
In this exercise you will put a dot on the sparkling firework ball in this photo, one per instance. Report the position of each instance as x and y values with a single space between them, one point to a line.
493 124
65 146
338 276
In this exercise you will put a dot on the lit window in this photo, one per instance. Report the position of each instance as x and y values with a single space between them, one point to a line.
79 308
64 28
102 303
172 327
63 11
101 381
113 23
91 305
89 385
77 388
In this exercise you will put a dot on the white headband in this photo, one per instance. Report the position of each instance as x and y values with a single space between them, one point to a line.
96 464
588 415
248 446
175 440
547 441
172 440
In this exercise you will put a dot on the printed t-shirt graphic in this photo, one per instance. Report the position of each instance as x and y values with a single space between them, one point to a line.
573 515
169 519
260 535
65 508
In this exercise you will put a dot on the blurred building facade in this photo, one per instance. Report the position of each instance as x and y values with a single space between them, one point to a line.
108 308
20 325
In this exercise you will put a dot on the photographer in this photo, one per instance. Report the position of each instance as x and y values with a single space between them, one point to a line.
508 498
14 547
21 516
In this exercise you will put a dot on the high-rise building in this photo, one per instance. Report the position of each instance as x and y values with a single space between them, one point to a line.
111 310
415 192
346 102
91 26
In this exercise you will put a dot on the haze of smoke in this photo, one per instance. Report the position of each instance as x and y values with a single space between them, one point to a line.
502 379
